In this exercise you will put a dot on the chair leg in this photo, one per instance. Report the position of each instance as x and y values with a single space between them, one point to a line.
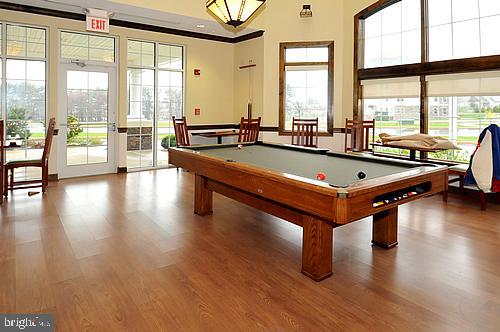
6 182
483 200
461 182
445 196
44 179
11 187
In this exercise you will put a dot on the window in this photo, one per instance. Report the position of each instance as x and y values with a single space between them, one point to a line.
306 78
170 96
456 29
395 106
460 107
155 94
141 83
392 35
79 46
23 74
25 42
463 28
456 106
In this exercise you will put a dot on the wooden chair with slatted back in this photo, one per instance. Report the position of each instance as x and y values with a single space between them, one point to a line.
181 131
43 163
305 132
361 132
249 130
2 161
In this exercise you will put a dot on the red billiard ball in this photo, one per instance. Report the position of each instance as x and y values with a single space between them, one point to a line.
321 176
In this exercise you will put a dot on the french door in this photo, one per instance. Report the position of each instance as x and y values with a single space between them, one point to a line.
87 120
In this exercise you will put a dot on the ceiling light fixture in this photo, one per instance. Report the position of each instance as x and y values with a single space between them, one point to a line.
200 26
234 12
306 11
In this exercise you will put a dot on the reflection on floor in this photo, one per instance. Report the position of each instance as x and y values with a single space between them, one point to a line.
125 252
144 159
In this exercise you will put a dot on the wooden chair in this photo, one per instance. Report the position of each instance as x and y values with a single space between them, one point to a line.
457 174
43 163
2 160
249 130
305 132
360 135
181 131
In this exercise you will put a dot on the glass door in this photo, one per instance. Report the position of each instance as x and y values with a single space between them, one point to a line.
87 120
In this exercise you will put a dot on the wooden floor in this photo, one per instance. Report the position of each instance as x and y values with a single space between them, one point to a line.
126 253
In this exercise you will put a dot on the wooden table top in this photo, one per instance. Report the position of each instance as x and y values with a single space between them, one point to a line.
212 134
388 145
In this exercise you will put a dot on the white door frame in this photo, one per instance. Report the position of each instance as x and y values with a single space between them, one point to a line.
65 171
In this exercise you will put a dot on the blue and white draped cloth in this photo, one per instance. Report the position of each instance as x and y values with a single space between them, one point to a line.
484 167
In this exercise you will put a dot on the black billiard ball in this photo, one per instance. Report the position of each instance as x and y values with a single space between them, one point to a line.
361 175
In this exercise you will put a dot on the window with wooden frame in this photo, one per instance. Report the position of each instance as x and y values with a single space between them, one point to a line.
429 66
306 84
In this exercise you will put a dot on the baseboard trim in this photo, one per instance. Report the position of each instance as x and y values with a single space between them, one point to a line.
121 170
53 177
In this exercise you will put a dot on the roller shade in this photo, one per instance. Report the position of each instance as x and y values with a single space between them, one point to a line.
406 87
468 84
306 68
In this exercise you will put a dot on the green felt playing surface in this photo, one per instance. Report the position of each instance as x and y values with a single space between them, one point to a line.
339 171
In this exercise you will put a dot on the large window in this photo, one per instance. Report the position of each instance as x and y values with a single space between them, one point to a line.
392 35
463 28
460 107
454 94
306 84
23 73
155 94
456 29
395 106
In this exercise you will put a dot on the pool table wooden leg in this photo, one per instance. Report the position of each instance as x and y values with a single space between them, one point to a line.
317 248
202 196
385 228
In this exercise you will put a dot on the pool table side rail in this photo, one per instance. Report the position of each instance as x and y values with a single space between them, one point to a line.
260 143
407 178
339 205
359 202
310 196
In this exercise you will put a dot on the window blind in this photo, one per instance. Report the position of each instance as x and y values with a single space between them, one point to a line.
467 84
406 87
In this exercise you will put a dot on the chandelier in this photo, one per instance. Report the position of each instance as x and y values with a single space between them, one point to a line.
234 12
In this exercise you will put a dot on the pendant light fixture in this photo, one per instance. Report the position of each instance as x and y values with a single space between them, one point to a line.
234 12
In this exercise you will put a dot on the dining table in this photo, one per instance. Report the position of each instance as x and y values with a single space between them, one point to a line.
217 134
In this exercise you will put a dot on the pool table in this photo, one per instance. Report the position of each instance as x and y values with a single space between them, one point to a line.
282 180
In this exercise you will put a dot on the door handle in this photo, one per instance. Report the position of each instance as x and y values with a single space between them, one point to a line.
112 126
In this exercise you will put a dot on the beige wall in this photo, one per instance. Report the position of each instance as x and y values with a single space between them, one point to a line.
212 91
248 82
281 23
332 20
351 8
222 89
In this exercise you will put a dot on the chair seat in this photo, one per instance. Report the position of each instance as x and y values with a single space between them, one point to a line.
459 168
23 162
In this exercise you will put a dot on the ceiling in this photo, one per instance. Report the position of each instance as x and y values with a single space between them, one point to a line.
141 15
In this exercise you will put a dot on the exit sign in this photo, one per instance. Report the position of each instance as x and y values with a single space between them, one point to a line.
97 24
